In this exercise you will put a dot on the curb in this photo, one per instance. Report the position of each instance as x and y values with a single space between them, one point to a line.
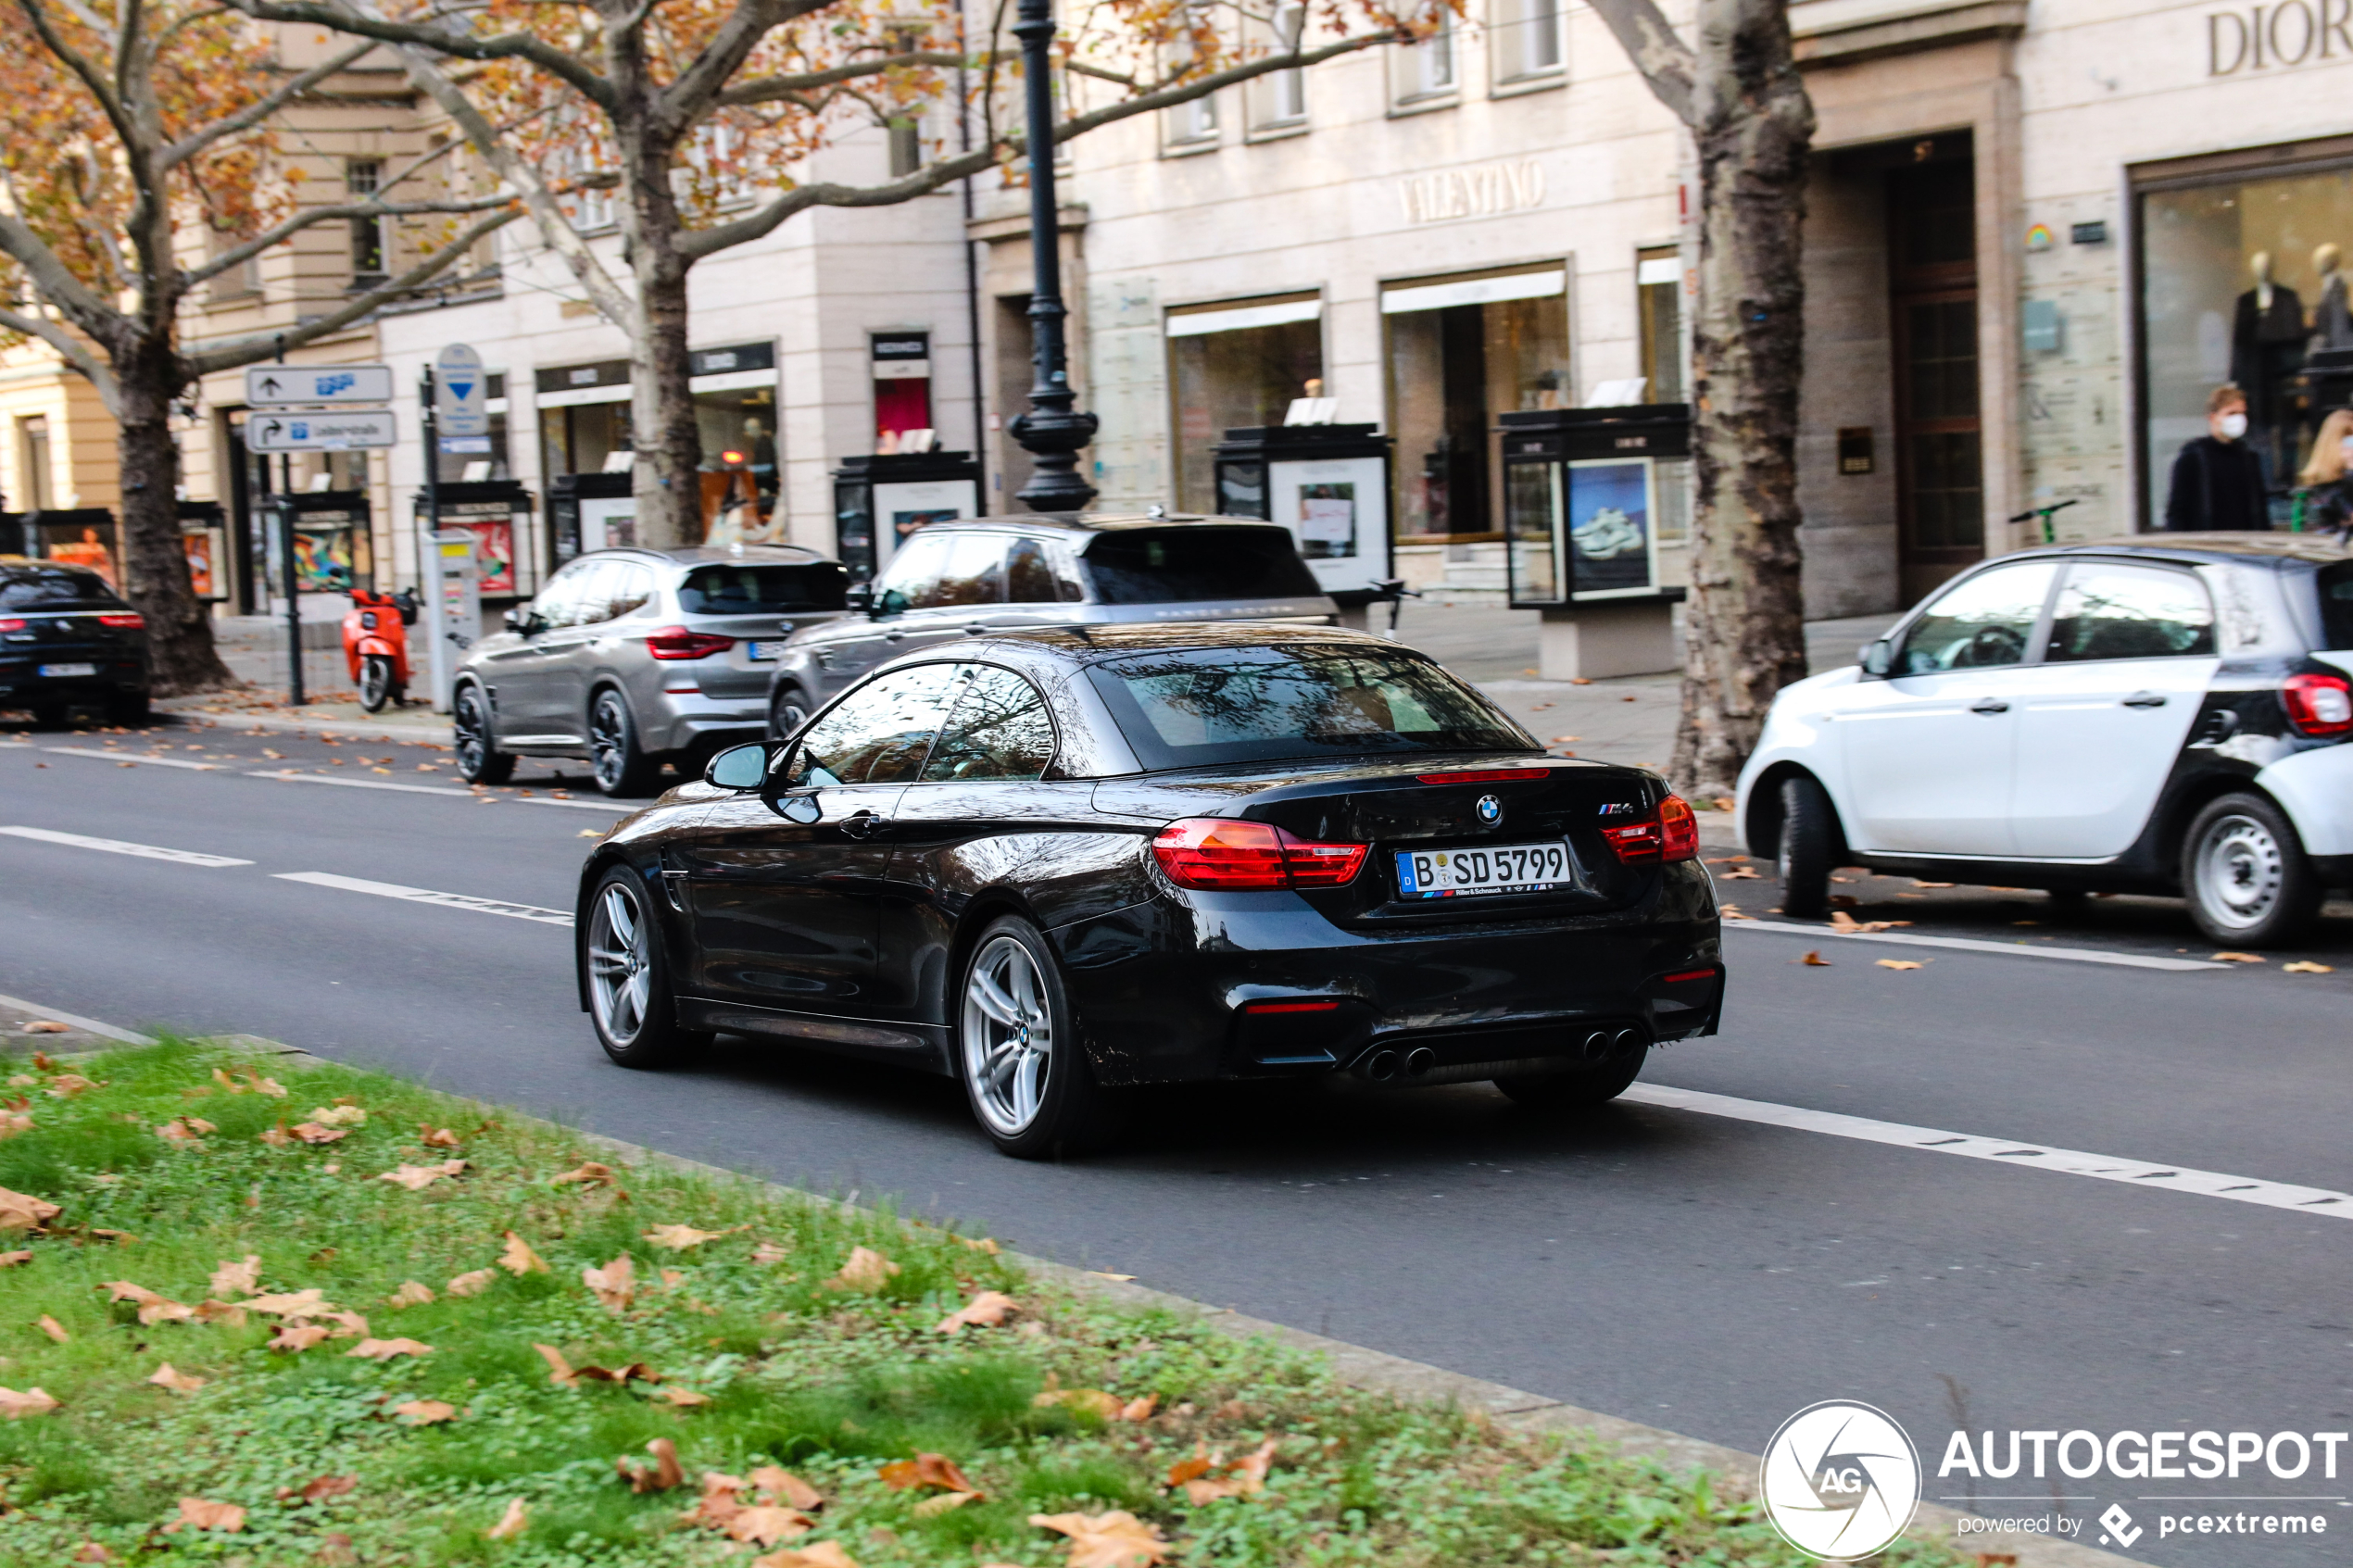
186 710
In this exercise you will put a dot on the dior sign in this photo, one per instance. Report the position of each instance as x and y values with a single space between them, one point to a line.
2287 32
1483 190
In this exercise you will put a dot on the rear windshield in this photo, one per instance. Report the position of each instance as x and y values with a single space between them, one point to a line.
2336 606
762 590
1190 565
1206 707
54 587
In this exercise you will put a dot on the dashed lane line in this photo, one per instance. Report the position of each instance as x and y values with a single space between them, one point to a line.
123 847
132 757
2321 1201
286 775
427 895
1973 945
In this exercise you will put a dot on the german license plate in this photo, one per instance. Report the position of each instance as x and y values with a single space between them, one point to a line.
761 653
1496 867
60 671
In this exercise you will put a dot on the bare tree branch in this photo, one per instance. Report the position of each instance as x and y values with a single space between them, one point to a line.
54 279
1664 61
689 97
74 351
317 215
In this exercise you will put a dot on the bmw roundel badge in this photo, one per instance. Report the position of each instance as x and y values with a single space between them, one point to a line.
1491 809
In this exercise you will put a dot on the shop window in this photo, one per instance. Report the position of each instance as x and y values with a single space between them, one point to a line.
1658 286
901 364
1462 352
1428 69
1237 364
36 481
2242 281
1278 99
585 438
737 429
1524 40
362 178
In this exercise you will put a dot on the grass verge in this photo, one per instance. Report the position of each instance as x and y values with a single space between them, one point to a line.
334 1318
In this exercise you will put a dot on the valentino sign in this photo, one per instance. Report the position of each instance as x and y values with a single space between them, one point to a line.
2287 32
1482 189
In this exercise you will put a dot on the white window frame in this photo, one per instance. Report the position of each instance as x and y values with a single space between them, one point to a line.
1278 100
1528 43
1431 71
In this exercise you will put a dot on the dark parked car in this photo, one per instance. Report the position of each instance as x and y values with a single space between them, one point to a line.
975 576
67 640
635 657
1059 864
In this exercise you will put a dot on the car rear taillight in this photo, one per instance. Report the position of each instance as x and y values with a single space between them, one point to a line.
2319 705
1484 775
1673 835
1218 855
11 625
676 642
128 623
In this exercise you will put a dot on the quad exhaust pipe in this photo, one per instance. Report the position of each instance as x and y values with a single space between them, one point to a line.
1421 1065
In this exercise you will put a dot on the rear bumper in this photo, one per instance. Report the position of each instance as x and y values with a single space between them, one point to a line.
689 721
1164 989
2315 788
114 678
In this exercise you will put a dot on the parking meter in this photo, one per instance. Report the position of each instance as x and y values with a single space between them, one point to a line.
453 606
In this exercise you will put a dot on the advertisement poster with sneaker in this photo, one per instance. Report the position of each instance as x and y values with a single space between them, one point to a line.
1609 525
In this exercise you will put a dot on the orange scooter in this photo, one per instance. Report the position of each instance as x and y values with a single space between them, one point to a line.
375 645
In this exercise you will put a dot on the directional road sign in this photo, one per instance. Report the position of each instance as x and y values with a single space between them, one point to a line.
461 392
280 386
320 433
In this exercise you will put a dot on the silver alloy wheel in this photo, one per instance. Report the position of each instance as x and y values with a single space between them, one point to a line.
472 731
2240 872
620 963
1008 1036
609 738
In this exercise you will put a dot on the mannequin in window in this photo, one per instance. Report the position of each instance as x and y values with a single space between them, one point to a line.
2266 345
2332 321
2218 480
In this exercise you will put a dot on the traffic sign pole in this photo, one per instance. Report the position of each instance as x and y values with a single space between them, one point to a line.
293 605
427 531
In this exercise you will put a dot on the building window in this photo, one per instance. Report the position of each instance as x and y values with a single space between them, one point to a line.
362 178
1658 286
36 480
902 391
1525 39
1234 365
1429 69
1194 124
1278 99
1462 351
906 141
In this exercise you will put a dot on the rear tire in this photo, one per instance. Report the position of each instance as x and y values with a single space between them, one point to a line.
621 765
1809 847
788 712
2245 876
130 711
49 715
1025 1074
1580 1090
632 1003
376 687
479 759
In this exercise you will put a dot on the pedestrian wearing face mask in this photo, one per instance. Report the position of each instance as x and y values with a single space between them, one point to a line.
2328 477
2218 480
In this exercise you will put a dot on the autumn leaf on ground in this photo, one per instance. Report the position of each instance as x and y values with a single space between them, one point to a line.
783 1487
1094 1402
717 1505
14 1122
473 1282
45 1026
423 1413
825 1554
2305 966
123 1290
518 1259
1738 873
866 1269
1814 960
941 1502
22 1256
982 1244
1229 1478
52 1328
416 1178
22 1212
64 1085
2240 958
277 1136
169 1376
229 1312
513 1522
312 1132
1115 1539
438 1138
33 1401
385 1349
658 1476
615 1284
319 1489
682 1396
769 1252
348 1326
589 1174
677 1239
237 1279
297 1335
767 1525
987 1310
1140 1410
196 1514
338 1116
1897 963
935 1471
291 1304
1106 1274
411 1294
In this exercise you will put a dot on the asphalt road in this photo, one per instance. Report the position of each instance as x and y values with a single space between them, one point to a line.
1707 1273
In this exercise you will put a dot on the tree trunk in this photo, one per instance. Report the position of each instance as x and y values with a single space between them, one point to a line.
1744 626
155 564
666 477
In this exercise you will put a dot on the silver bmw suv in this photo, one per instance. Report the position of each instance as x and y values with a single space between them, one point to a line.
635 657
972 576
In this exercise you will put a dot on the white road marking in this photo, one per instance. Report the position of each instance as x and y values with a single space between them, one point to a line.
1972 945
2065 1161
121 846
427 895
133 756
28 1012
581 805
285 775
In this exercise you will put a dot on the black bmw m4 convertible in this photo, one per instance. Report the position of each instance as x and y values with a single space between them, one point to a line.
1060 865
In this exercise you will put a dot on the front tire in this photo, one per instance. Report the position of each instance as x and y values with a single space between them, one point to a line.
2245 876
479 759
621 765
1579 1090
131 712
788 712
375 682
631 1000
1808 851
1017 1051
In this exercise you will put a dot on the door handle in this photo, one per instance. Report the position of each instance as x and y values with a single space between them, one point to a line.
1989 705
861 823
979 629
892 636
2144 699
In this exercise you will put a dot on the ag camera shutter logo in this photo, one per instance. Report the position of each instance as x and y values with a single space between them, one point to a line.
1840 1480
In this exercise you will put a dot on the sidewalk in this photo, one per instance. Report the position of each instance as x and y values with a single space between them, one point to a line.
264 708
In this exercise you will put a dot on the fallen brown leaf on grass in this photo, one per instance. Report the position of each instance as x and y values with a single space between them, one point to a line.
169 1376
767 1525
677 1239
2305 966
22 1255
1814 960
615 1284
88 1551
866 1269
1897 963
937 1471
425 1412
438 1137
348 1326
64 1085
564 1375
518 1259
196 1513
1140 1410
825 1554
982 1244
166 1312
1206 1477
943 1501
416 1178
1114 1539
297 1335
769 1252
15 1405
22 1212
277 1136
312 1132
237 1279
14 1122
52 1328
589 1174
513 1522
411 1294
786 1487
338 1115
320 1489
2241 958
1094 1402
291 1303
1106 1274
985 1311
123 1290
473 1282
683 1397
658 1476
385 1349
229 1312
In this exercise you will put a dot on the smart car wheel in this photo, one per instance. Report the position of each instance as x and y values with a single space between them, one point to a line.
1809 841
2245 874
479 762
1018 1052
629 989
622 766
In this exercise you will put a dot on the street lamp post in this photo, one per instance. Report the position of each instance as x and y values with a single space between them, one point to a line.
1053 432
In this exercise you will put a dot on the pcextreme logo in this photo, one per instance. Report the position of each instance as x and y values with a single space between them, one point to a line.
1840 1480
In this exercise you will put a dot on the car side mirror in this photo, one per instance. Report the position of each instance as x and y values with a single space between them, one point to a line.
1878 657
738 767
514 620
858 597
